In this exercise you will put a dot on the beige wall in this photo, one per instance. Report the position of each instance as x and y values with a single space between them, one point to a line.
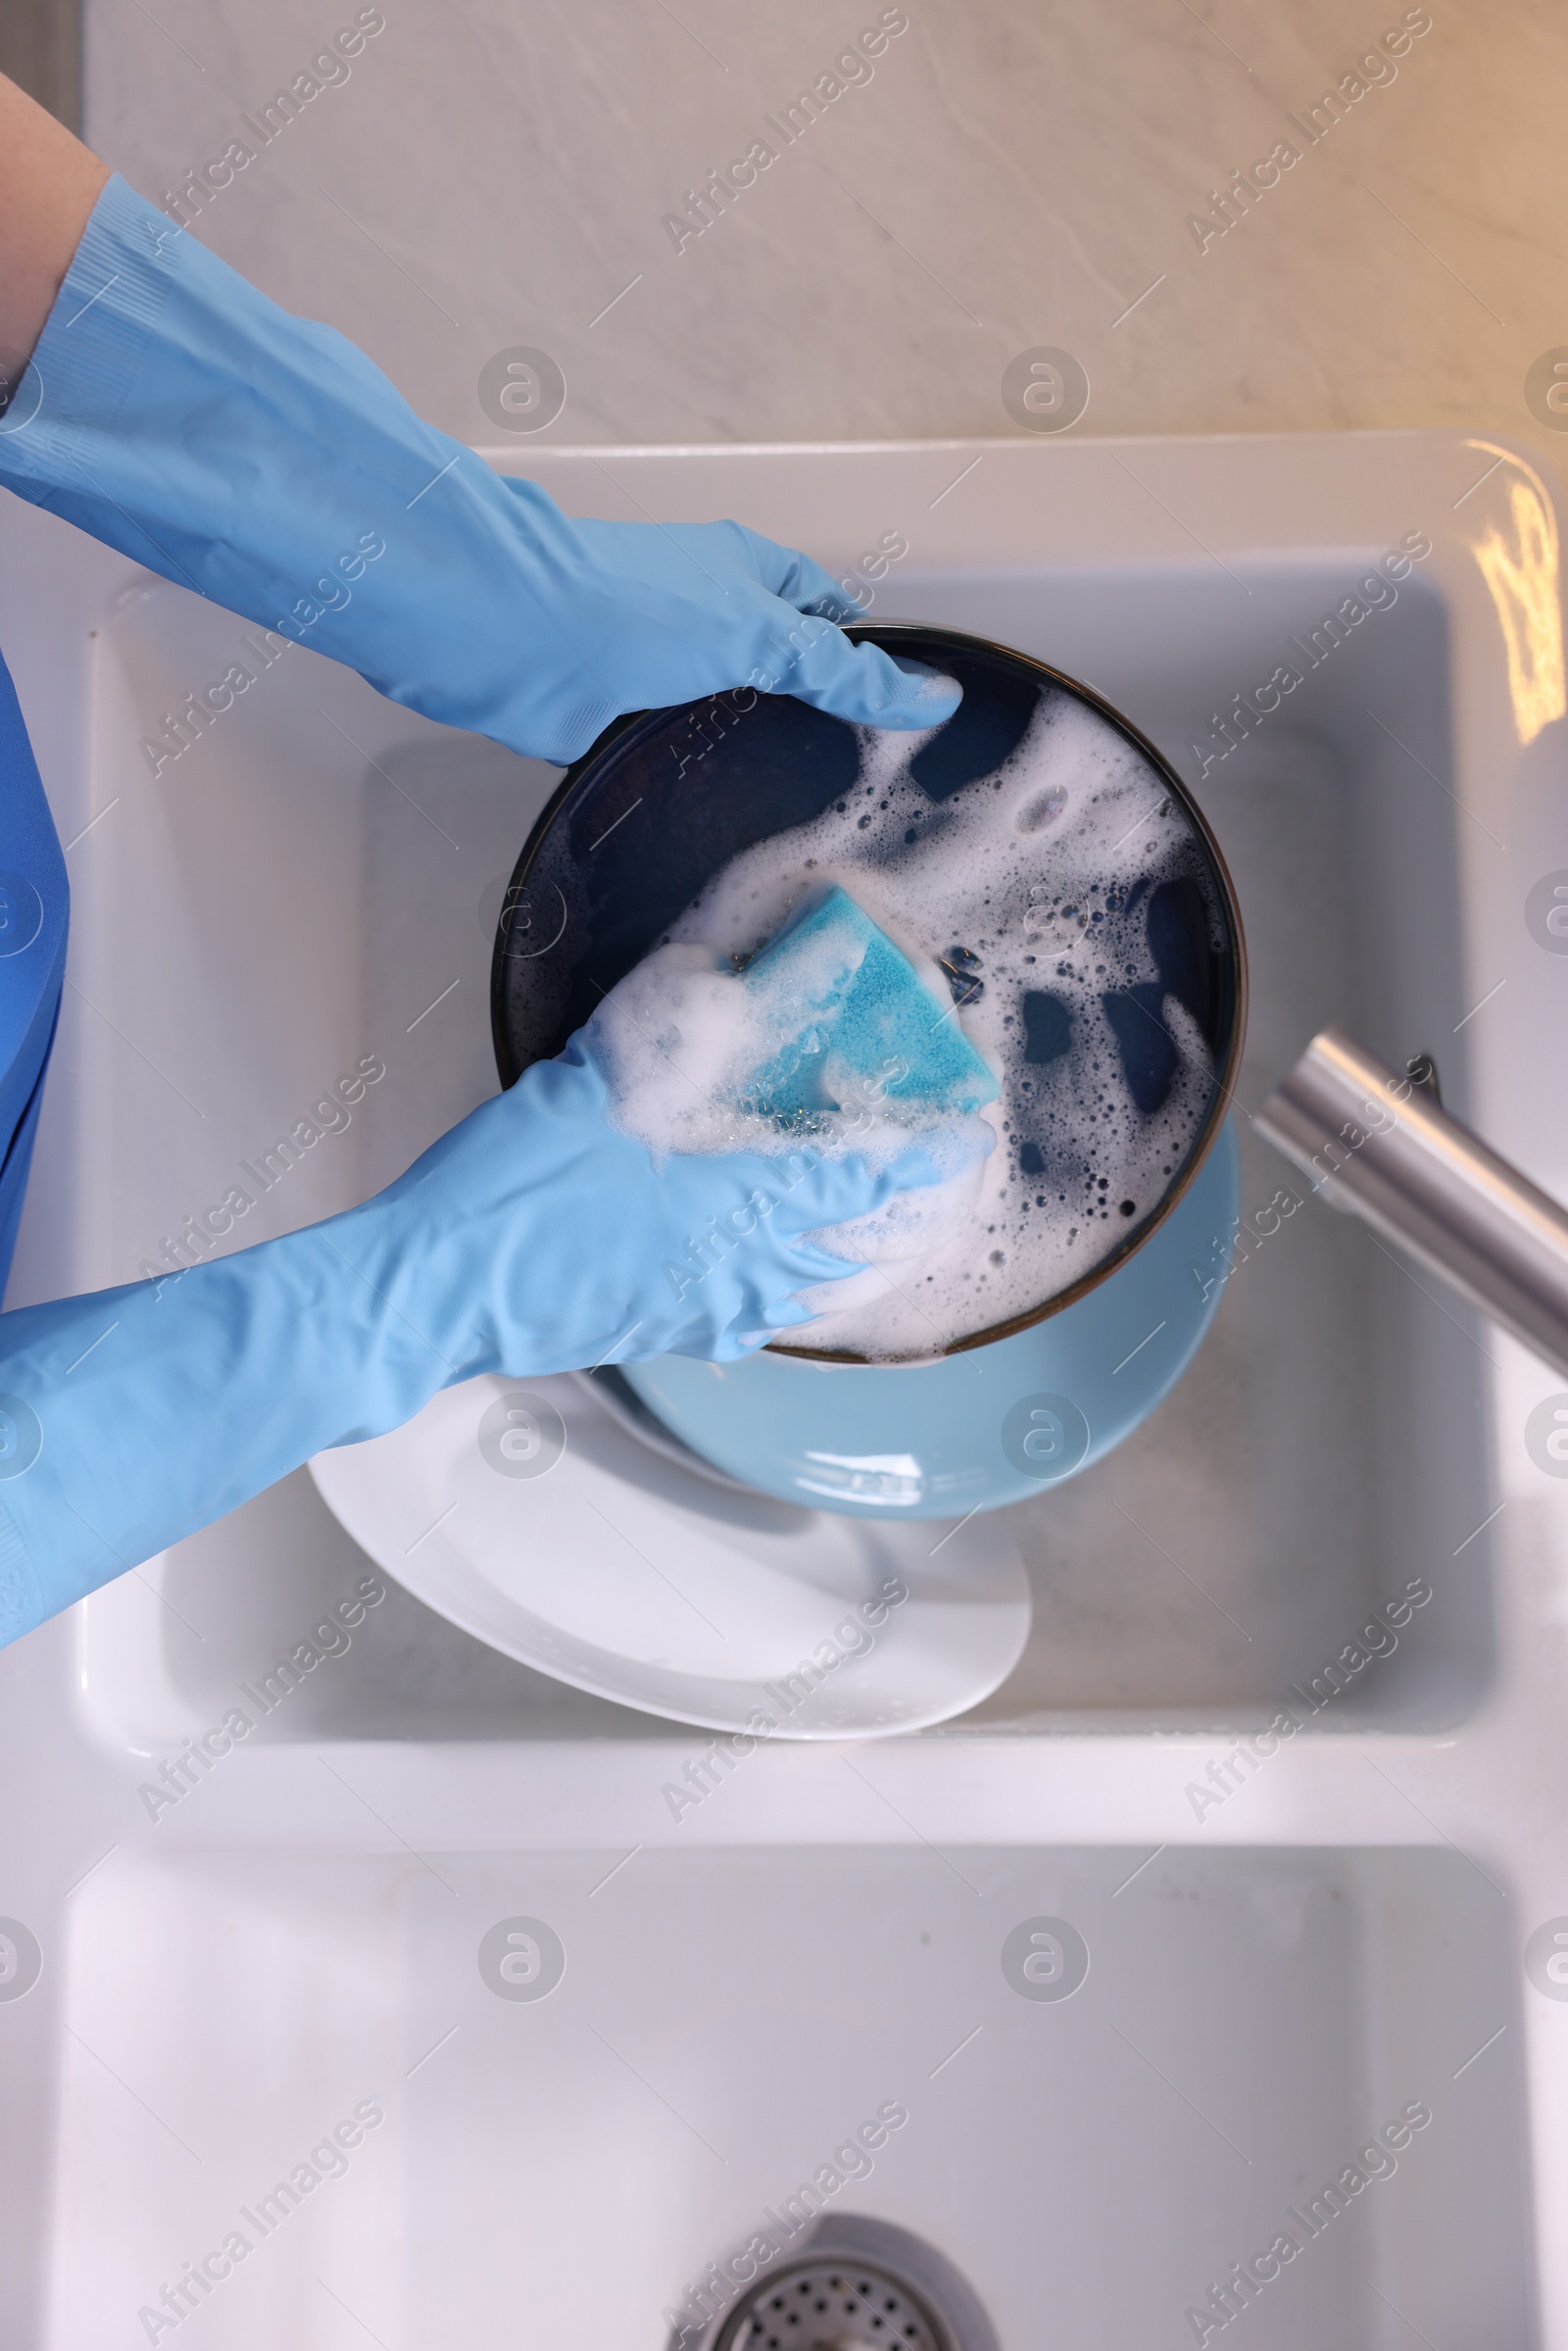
1025 170
40 47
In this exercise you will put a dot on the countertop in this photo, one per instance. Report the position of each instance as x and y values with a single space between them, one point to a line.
487 177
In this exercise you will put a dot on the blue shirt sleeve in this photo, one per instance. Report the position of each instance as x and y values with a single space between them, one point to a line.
34 912
34 908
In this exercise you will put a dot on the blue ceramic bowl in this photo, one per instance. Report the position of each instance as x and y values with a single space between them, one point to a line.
665 799
986 1426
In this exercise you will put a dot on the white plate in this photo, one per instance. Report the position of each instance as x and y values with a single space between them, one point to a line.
614 1567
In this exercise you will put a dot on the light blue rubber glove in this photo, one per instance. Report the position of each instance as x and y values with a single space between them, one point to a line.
534 1238
173 412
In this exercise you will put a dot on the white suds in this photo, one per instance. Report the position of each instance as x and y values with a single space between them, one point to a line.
1064 900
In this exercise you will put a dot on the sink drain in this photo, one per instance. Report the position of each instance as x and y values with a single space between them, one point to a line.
824 2306
857 2285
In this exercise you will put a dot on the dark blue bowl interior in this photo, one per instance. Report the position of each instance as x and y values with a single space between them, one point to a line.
665 799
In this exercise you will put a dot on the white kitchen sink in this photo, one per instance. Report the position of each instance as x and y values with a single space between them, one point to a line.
561 2170
1284 1948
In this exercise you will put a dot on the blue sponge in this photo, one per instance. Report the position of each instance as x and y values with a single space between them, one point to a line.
855 1027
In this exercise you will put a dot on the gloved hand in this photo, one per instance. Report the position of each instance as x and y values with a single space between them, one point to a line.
536 1237
173 412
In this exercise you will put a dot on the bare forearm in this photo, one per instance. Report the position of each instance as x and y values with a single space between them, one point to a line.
49 184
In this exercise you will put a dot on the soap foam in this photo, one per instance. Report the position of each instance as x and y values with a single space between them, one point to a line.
683 1038
1041 898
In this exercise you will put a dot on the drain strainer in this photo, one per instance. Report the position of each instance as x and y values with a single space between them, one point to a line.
851 2282
829 2305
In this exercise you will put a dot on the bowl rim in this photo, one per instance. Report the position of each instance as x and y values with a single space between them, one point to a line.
893 636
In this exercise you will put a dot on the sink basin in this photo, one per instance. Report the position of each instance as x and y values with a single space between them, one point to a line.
567 2168
1151 1601
1311 1851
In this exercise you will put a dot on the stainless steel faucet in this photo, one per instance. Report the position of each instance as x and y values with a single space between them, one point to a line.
1376 1140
